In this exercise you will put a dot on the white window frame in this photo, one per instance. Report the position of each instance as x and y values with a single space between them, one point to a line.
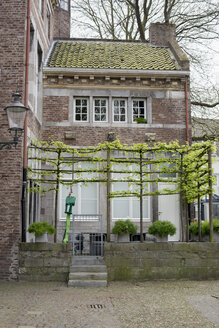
145 108
81 98
113 114
107 106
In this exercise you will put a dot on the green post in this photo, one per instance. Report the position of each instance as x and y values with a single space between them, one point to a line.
210 195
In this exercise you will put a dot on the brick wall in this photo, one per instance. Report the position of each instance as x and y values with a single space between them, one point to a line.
55 109
168 111
85 135
61 23
12 45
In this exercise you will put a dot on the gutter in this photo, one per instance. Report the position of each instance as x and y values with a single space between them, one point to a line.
105 72
187 111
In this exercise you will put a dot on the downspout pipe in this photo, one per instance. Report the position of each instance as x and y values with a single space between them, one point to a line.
26 94
187 111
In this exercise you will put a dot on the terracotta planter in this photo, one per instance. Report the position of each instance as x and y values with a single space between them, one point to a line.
42 238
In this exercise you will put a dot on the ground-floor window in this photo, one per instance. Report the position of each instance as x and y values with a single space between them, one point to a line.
128 207
86 194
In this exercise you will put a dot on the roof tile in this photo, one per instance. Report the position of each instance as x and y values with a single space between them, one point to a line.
110 55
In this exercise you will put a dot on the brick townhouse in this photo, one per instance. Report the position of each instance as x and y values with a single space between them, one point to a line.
83 92
38 21
94 90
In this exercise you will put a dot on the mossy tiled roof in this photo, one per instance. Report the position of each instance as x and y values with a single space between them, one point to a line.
109 55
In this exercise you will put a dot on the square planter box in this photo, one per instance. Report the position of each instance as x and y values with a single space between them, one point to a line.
123 238
163 239
41 239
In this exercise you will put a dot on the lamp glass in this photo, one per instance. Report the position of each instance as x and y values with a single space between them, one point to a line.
16 117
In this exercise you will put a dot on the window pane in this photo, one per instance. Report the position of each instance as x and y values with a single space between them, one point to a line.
78 102
78 109
97 102
89 191
116 118
141 103
120 208
97 110
78 117
103 102
88 207
122 103
122 118
103 118
142 111
84 117
84 109
116 110
103 110
97 117
84 102
116 103
136 208
122 110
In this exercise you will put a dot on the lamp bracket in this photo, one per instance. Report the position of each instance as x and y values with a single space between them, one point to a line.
9 144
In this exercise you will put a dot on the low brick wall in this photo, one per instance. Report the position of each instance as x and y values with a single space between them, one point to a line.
44 261
154 261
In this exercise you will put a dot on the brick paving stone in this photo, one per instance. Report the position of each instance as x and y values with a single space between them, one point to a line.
157 304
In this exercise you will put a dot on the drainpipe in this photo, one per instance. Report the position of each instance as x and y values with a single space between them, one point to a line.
187 111
26 93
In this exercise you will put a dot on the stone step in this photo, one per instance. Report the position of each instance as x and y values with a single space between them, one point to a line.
88 268
87 275
87 260
87 283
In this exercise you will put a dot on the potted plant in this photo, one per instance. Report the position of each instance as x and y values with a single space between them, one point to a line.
161 229
41 229
141 120
205 230
123 228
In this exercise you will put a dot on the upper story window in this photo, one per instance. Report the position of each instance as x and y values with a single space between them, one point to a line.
138 109
81 109
48 14
119 110
100 110
64 4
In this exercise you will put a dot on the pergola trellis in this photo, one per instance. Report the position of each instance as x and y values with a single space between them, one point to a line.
142 166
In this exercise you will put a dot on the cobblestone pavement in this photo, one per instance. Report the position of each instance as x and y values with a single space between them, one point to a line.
120 305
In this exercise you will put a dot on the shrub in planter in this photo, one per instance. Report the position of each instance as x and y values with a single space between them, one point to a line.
205 227
122 227
216 225
39 228
162 228
141 120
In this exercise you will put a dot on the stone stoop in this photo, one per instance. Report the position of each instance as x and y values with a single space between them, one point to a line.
87 271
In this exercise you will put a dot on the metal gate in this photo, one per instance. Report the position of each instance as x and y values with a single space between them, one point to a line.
87 235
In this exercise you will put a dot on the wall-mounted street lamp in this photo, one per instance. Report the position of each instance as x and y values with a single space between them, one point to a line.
16 116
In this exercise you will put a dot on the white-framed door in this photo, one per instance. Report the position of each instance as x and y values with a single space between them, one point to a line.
169 210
